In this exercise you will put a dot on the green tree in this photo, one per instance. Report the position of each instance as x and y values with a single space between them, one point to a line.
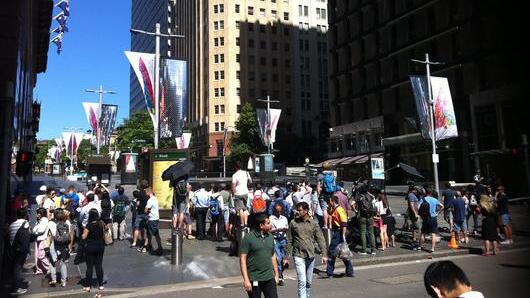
41 153
84 150
135 132
246 141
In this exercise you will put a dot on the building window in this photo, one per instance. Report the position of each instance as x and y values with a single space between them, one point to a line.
237 8
216 42
238 58
216 58
215 9
237 41
263 60
238 109
251 76
251 43
262 28
221 25
323 14
215 25
222 109
318 13
274 78
216 75
216 126
250 27
273 13
274 46
250 11
287 63
216 108
222 126
220 147
222 58
263 77
238 24
221 8
287 79
300 11
262 12
238 75
306 11
251 92
263 93
286 16
222 41
216 92
286 47
274 29
274 61
286 31
238 92
222 75
222 91
251 59
263 45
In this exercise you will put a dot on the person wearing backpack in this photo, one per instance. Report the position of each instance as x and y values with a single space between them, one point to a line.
326 187
201 203
61 240
19 239
259 205
119 212
429 223
216 208
42 264
365 205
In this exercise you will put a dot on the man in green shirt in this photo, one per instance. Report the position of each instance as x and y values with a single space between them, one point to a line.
258 261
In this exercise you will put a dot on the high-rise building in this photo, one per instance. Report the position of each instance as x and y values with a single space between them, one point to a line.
371 46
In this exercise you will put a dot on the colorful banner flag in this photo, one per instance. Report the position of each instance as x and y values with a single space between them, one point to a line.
78 138
67 139
268 130
61 18
173 97
107 122
65 6
143 65
444 114
58 41
93 114
183 142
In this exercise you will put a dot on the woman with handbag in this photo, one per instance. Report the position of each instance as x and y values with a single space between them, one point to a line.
94 248
381 208
41 231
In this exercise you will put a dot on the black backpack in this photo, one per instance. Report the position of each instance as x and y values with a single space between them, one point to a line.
105 209
180 192
63 234
366 206
424 210
21 242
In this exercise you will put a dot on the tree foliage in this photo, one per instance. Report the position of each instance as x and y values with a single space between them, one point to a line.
41 153
246 141
135 133
85 149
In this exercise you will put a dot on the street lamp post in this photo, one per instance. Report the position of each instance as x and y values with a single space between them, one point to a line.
157 35
98 131
435 157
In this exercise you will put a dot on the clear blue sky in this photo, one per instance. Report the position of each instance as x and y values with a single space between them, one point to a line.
92 55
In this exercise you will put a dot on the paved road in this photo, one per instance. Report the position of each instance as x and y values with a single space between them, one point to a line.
502 276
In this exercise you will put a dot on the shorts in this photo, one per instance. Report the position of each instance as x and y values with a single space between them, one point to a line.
226 214
179 207
187 218
505 219
152 227
240 202
429 226
459 226
140 221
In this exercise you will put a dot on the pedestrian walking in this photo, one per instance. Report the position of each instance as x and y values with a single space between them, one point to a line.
153 219
339 224
119 212
381 210
489 225
240 182
505 218
95 249
458 208
140 223
304 239
216 207
448 195
412 212
61 242
258 261
201 201
366 206
42 264
19 239
180 200
428 210
279 231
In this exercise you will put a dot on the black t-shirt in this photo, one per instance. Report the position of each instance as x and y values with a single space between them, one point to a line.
502 203
95 241
448 196
142 202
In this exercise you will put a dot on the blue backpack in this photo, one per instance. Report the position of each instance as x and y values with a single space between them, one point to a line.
329 183
214 207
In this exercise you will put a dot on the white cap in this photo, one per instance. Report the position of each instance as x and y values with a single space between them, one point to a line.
43 188
257 193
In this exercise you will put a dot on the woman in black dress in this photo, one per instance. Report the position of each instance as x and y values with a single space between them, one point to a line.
95 248
489 224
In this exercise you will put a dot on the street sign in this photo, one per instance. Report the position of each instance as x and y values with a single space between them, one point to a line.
435 158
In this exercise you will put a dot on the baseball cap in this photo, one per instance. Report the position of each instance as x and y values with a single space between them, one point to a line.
257 193
43 188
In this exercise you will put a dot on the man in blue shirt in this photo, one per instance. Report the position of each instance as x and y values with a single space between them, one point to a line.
458 207
201 201
430 224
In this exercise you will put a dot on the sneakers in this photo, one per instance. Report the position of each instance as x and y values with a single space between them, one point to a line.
373 252
142 249
190 237
505 242
20 291
363 253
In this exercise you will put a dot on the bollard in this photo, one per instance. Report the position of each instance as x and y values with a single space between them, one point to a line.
327 236
176 248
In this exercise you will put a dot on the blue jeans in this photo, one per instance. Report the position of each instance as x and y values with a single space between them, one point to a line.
279 250
336 239
304 274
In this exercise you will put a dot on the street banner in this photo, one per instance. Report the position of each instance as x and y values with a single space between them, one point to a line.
93 114
78 137
183 142
444 114
58 149
173 97
52 152
378 168
107 122
143 65
65 6
267 130
68 145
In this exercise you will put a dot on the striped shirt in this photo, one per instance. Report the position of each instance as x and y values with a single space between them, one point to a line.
13 229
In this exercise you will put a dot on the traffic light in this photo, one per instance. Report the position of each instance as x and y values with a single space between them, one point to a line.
24 163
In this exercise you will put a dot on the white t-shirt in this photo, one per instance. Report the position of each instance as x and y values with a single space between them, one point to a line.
152 204
240 180
49 204
279 223
40 199
380 208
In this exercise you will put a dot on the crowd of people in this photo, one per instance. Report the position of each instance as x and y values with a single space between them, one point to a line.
291 221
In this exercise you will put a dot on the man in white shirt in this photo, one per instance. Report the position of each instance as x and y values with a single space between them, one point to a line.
279 229
83 215
240 181
151 209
